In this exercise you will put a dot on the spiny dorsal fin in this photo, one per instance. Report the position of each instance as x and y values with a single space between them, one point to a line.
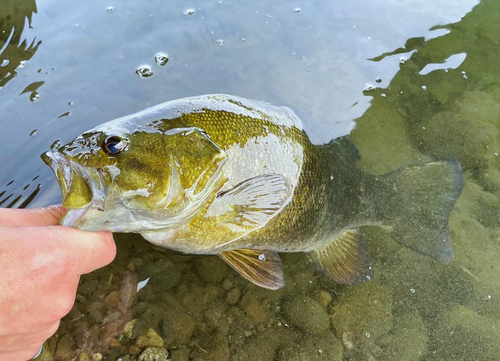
345 258
260 267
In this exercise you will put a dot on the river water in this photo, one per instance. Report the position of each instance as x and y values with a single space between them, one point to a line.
407 80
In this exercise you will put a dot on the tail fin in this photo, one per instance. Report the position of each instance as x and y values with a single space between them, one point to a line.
421 198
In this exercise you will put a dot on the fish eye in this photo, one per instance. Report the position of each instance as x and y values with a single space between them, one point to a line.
114 145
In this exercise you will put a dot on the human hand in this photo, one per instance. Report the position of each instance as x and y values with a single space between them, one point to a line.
40 267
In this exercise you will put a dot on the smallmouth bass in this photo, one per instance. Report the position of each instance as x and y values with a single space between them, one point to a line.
219 174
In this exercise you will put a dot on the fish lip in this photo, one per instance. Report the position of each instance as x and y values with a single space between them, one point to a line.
59 162
62 166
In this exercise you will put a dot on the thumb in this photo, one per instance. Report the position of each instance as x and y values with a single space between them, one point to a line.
31 217
87 251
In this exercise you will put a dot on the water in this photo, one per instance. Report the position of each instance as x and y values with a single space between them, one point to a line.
432 70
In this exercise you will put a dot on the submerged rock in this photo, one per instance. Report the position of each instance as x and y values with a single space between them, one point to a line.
307 314
448 134
407 341
364 310
313 348
465 335
211 269
150 339
154 354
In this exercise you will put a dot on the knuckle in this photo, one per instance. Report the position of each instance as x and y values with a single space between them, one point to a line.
63 305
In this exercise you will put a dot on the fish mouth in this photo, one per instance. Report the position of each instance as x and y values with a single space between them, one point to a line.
81 187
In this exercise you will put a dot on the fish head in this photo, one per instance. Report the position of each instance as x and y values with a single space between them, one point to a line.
132 178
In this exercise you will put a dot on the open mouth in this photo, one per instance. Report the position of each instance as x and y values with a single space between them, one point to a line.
81 187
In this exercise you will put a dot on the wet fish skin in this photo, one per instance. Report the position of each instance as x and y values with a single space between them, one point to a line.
219 174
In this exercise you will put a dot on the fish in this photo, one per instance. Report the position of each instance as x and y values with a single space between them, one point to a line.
238 178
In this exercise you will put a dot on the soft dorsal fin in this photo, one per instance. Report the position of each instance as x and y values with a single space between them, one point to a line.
345 258
260 267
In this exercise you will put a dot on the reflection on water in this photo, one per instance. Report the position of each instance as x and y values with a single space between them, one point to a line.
425 100
14 49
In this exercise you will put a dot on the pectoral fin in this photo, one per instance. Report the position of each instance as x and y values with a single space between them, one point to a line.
260 267
345 258
249 205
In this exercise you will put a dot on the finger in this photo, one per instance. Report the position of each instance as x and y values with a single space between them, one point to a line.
31 217
86 251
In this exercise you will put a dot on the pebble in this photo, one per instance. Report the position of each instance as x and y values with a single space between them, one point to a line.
64 349
324 298
227 284
134 350
307 314
211 269
178 327
211 292
256 311
112 299
83 357
233 296
154 354
363 309
150 339
312 348
129 328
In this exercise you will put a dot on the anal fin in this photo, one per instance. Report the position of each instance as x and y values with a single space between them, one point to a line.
262 268
345 258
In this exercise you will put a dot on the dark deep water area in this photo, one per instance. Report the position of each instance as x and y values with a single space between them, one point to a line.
409 81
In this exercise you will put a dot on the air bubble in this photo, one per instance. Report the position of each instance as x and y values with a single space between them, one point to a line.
367 334
189 12
297 10
262 257
144 71
378 80
34 97
5 62
70 104
412 290
33 132
402 60
221 42
161 59
110 8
